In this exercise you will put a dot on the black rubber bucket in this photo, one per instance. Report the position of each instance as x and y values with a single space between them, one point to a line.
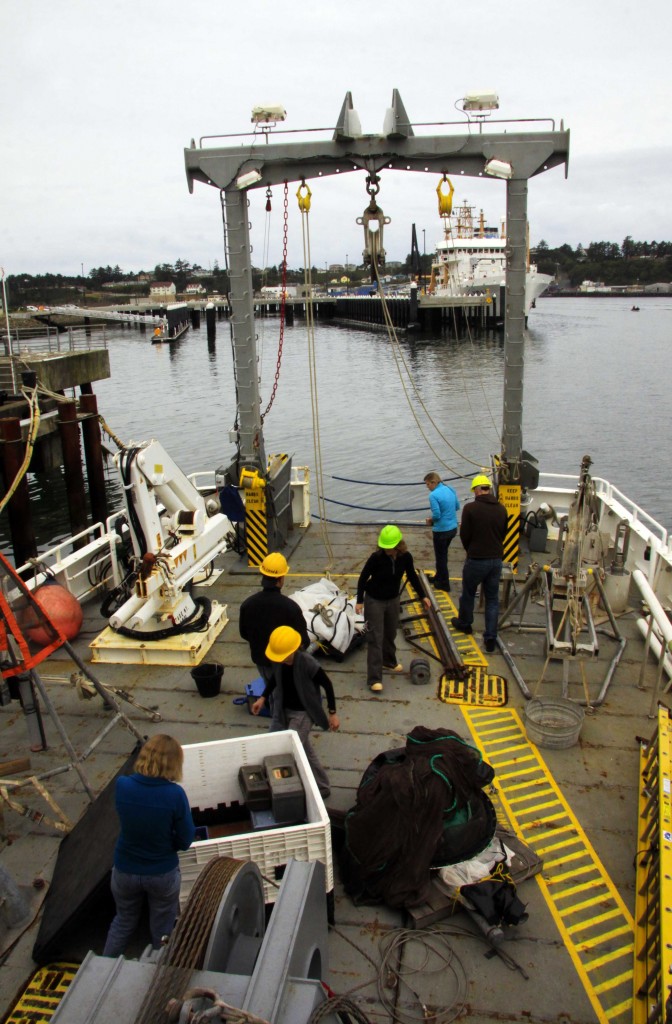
208 678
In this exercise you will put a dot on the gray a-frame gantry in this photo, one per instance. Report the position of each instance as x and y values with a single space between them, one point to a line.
260 164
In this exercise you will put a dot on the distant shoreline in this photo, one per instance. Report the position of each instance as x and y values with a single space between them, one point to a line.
567 293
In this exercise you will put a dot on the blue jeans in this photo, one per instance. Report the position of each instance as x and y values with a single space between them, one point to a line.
442 539
487 572
163 896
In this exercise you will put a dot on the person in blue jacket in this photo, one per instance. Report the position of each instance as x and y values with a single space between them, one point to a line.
444 504
156 822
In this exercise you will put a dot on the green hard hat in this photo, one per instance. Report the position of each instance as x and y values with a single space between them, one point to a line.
389 537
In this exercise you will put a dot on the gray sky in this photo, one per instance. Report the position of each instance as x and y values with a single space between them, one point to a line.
99 101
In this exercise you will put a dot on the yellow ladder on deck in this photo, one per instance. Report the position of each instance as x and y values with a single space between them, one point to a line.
653 904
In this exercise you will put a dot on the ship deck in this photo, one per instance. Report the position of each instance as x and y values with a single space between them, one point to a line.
572 958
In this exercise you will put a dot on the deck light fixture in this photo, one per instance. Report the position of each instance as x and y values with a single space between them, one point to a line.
250 178
499 168
270 112
480 102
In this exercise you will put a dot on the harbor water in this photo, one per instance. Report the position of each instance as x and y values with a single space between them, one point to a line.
596 382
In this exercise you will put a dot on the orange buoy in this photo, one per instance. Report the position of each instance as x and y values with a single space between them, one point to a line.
63 610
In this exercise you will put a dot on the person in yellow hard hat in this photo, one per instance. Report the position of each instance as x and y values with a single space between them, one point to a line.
294 685
482 532
261 613
378 590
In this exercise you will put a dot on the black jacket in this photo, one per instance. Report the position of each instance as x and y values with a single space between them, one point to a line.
483 527
382 575
264 612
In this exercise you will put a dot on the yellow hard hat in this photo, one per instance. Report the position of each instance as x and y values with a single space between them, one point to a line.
389 537
282 642
275 565
480 481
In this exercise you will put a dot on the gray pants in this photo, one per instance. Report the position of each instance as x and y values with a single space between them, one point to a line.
300 721
382 618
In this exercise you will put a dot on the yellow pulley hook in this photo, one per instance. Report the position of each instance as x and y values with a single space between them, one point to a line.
303 197
445 200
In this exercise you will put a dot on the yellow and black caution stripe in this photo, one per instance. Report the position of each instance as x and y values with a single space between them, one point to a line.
256 522
509 496
594 922
39 1000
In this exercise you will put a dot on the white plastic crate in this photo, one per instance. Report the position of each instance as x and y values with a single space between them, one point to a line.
210 778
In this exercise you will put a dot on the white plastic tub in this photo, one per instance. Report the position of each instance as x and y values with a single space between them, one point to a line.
211 778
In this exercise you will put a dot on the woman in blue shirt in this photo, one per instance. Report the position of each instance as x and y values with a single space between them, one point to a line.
155 822
444 504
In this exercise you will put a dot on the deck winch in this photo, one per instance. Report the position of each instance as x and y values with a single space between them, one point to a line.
219 957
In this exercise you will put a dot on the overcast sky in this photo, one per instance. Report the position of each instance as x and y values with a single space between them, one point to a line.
100 100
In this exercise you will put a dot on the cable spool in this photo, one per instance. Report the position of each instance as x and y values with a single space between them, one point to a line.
225 908
420 672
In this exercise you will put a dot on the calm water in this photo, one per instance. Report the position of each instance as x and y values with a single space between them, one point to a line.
596 382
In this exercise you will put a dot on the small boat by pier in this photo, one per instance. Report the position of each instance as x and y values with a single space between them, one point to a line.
175 324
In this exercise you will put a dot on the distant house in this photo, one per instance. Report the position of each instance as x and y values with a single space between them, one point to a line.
195 289
162 290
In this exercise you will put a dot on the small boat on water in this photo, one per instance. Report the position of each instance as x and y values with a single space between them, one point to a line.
471 259
175 324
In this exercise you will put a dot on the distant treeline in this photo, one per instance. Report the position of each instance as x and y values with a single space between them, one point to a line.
629 263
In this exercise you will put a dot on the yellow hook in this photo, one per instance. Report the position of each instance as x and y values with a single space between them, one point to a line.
445 200
303 197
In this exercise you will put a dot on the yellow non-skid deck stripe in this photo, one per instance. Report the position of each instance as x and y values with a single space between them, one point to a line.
40 998
594 922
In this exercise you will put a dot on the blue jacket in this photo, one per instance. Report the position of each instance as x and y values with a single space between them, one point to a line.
155 823
444 505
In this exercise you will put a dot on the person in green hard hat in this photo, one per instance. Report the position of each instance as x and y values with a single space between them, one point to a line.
378 590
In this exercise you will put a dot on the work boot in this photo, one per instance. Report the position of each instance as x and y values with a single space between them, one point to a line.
461 627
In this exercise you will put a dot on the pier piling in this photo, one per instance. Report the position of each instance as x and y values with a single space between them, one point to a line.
72 464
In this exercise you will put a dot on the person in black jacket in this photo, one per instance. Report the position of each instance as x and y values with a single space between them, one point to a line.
264 611
378 590
482 532
294 688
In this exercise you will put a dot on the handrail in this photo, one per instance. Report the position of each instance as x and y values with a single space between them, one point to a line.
609 494
657 620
